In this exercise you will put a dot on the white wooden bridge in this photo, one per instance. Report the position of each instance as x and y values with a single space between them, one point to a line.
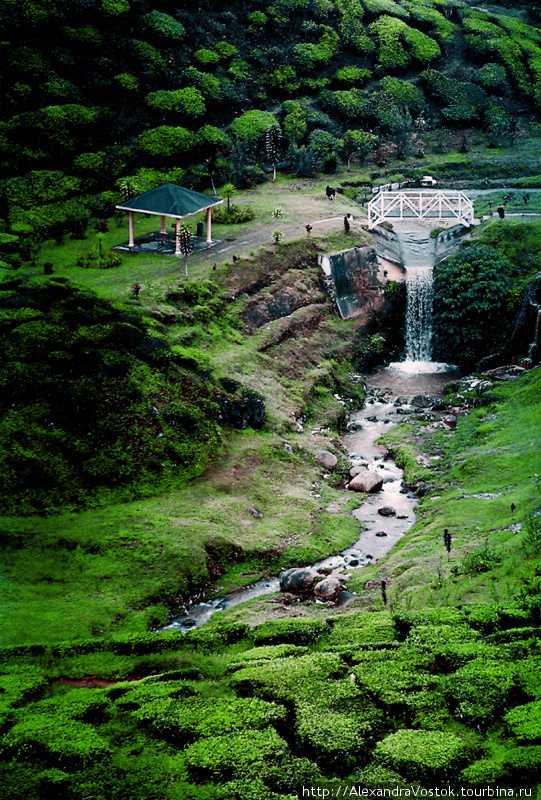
420 204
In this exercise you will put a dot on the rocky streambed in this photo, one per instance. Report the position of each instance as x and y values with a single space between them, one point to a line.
386 513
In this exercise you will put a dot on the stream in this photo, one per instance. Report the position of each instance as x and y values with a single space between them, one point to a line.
389 391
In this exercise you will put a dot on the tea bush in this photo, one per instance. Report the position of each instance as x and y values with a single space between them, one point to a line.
525 722
183 720
422 755
479 691
237 755
298 632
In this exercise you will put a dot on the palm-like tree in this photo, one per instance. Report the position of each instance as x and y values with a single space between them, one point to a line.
228 190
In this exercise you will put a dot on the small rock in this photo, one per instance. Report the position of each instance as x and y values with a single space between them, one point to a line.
333 508
298 580
189 623
355 425
366 481
288 449
346 598
450 420
381 534
328 589
402 516
255 513
353 562
422 401
326 459
387 511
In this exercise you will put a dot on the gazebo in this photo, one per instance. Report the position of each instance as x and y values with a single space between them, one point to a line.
173 201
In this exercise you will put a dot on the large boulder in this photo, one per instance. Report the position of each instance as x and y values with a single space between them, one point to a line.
366 481
326 459
328 589
298 580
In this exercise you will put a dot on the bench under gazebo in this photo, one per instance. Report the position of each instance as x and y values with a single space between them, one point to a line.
169 201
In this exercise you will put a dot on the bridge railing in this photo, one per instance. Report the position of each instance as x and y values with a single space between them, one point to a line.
419 204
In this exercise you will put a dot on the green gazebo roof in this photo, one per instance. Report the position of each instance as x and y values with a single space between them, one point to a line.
170 200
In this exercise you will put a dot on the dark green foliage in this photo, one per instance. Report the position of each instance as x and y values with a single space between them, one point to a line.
462 101
470 304
79 383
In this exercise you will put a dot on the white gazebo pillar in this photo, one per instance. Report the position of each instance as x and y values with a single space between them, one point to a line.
209 226
177 237
131 240
163 229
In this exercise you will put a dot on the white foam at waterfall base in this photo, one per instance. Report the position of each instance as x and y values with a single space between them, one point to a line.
413 367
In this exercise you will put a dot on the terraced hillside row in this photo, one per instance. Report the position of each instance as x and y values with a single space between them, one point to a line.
429 699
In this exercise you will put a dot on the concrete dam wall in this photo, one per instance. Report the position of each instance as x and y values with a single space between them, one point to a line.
352 280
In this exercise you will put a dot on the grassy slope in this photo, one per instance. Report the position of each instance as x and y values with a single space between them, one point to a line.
137 560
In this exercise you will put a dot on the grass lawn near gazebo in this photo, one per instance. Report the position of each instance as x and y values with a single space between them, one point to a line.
302 201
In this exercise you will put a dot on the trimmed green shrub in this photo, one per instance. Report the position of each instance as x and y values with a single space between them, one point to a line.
188 101
390 32
525 722
334 738
252 125
308 55
352 75
267 653
183 720
524 763
479 691
284 679
164 26
389 6
350 103
463 101
444 29
352 31
483 772
166 141
220 758
363 628
56 727
491 75
150 62
391 680
290 631
422 755
403 93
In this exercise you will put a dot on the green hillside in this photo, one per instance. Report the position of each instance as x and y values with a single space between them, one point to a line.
107 99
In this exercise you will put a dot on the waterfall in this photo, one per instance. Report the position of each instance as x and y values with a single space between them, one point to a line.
418 256
532 348
420 296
